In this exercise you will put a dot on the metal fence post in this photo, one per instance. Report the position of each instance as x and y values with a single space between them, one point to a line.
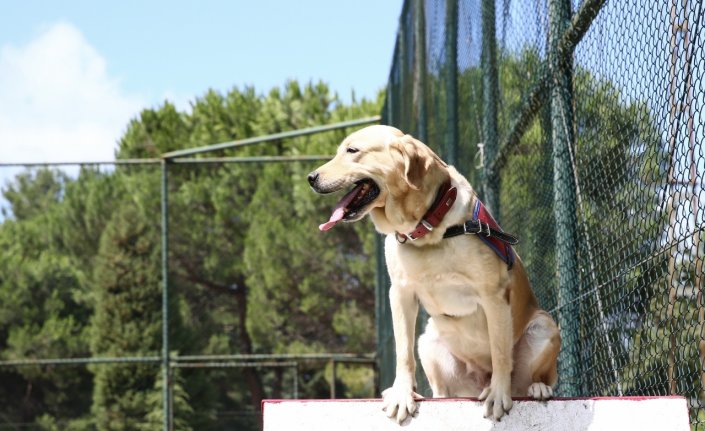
564 197
383 320
422 386
166 370
490 94
420 70
404 109
333 378
451 80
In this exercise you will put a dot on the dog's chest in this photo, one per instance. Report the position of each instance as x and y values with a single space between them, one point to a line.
443 284
447 298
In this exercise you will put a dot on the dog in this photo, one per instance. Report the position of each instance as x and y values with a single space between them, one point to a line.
486 336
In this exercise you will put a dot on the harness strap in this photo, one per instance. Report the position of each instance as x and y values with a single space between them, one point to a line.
477 227
486 228
482 224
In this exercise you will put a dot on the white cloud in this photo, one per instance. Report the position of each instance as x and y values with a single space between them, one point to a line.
58 101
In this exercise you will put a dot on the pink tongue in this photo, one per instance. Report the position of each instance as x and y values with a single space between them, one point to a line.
339 210
334 219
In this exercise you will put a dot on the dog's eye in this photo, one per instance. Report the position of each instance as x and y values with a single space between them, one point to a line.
352 150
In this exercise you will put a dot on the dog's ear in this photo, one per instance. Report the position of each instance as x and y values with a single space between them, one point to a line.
417 158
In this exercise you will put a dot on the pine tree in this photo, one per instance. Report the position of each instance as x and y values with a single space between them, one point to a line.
127 319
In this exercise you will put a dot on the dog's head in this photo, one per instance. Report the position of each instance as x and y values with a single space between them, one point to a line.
390 175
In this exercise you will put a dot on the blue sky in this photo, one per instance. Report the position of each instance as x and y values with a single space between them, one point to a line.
72 73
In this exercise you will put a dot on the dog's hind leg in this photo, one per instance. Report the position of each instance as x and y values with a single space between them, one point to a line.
447 376
439 365
535 358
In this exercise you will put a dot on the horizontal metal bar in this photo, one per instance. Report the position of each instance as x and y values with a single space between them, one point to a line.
245 359
260 159
81 361
534 99
338 357
233 364
232 144
355 360
84 163
273 137
185 161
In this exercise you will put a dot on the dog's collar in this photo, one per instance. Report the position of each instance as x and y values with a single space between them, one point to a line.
482 224
444 200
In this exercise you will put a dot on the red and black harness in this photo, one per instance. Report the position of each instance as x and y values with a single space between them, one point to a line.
482 224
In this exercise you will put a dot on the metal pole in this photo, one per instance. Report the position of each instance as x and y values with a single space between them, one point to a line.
332 379
339 357
384 358
451 66
254 159
295 367
682 114
404 108
383 321
82 163
390 114
185 161
564 197
82 361
268 138
490 94
420 70
166 370
673 201
419 103
535 97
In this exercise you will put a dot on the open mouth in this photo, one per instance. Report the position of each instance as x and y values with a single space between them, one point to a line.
351 205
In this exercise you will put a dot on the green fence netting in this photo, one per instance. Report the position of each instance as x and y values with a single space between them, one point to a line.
581 125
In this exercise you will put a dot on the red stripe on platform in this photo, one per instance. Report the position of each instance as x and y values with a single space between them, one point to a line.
377 400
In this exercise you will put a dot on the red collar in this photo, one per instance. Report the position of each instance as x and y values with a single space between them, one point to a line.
433 217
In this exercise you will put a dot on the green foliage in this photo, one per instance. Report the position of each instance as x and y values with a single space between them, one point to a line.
249 271
31 194
43 311
181 405
126 320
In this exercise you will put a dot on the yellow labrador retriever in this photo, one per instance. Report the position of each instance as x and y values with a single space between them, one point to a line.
487 336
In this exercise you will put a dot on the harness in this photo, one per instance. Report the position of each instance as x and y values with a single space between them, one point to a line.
482 224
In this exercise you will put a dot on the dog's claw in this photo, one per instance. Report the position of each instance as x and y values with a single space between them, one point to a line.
399 404
540 391
497 403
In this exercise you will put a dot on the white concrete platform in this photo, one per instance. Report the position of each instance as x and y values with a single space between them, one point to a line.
561 414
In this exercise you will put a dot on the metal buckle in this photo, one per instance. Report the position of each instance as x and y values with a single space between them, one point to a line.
472 232
427 225
486 232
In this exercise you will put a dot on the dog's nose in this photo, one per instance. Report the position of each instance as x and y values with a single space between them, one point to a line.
312 177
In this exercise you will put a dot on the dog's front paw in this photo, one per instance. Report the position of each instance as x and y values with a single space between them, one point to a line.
399 402
498 401
540 391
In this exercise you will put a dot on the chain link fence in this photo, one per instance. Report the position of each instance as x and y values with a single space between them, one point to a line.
137 294
581 126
